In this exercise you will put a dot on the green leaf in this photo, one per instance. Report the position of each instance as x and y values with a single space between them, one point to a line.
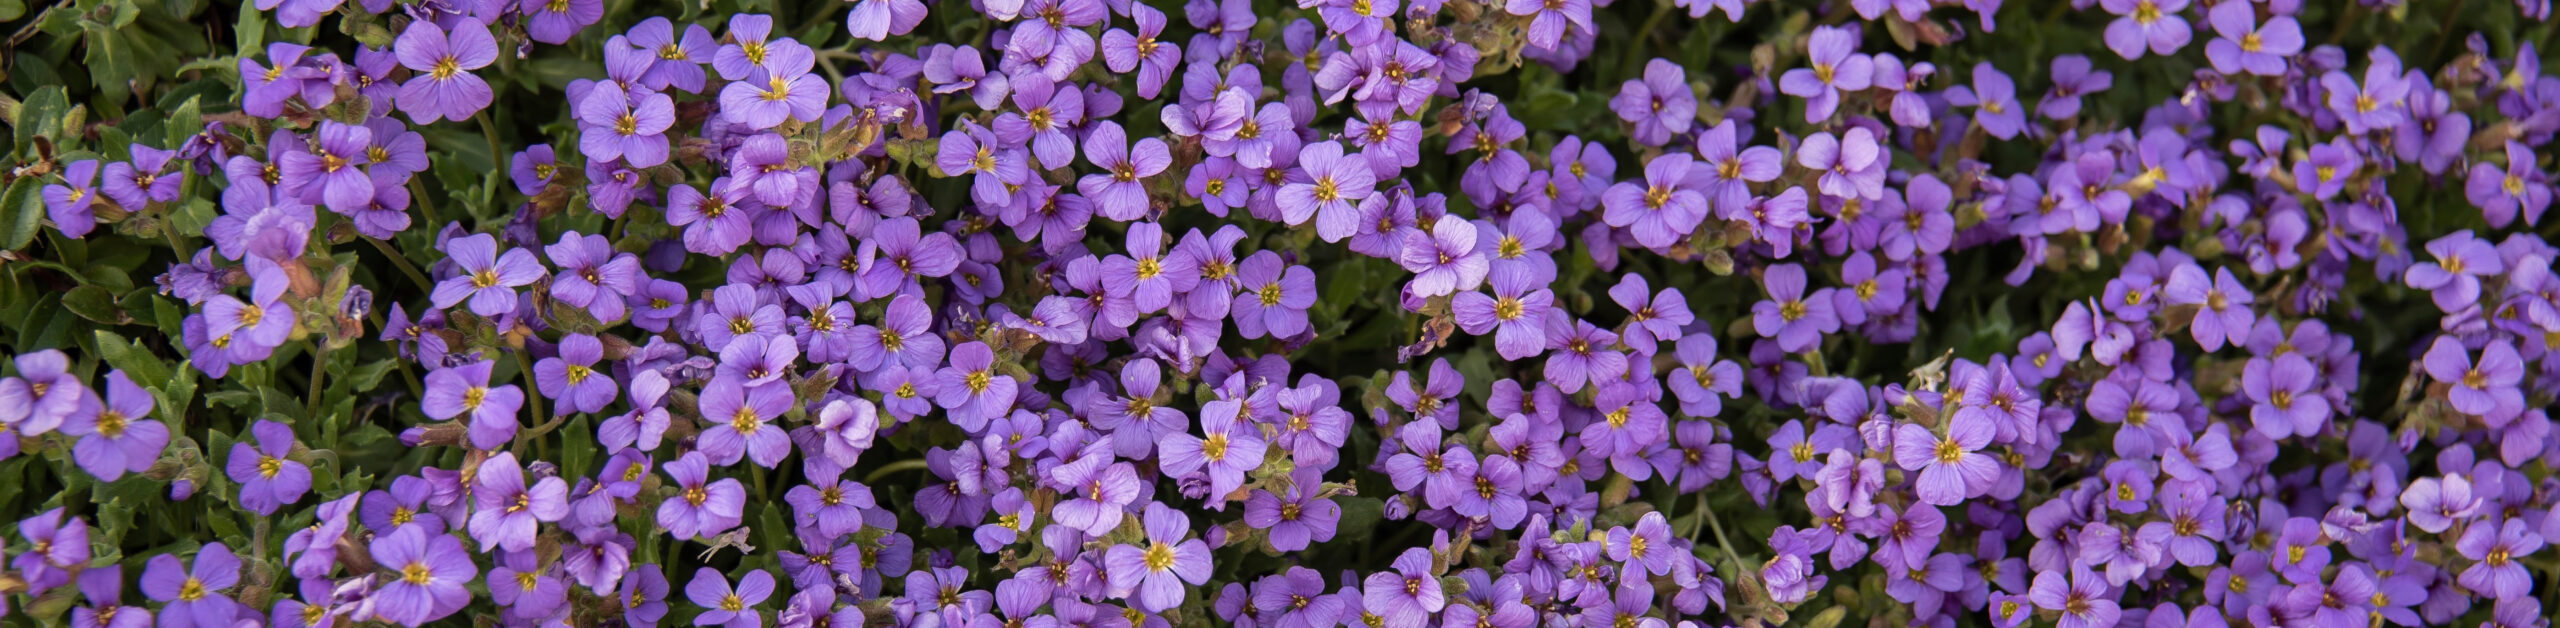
1360 515
11 10
134 359
185 122
96 304
110 62
39 114
21 212
252 29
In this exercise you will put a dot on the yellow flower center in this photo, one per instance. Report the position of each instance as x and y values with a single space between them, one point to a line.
1215 447
1949 452
111 423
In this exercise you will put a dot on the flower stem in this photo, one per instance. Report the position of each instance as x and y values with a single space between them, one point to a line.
319 371
1636 47
533 401
489 193
1708 512
894 467
405 267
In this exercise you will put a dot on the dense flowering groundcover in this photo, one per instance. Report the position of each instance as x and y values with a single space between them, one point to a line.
2158 313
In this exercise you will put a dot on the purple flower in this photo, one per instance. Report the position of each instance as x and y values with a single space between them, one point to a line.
630 126
332 171
2502 193
1579 353
713 224
55 544
1707 380
1852 165
1444 261
441 86
1325 187
555 21
899 254
505 512
1660 105
43 396
723 606
701 508
2499 550
2454 277
193 595
2246 45
1227 452
1297 516
1153 60
2286 395
1648 545
485 278
2435 504
2377 104
1650 320
465 390
777 89
118 439
1273 298
971 149
2073 78
1549 18
144 180
876 20
972 391
1661 210
1837 66
2489 388
1794 320
71 204
1152 576
1515 313
1406 596
592 276
268 479
739 412
643 596
1119 192
571 379
677 60
2153 25
261 322
2226 313
104 588
2324 174
2084 599
1951 468
1995 101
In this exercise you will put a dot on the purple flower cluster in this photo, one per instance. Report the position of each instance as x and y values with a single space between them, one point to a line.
975 259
